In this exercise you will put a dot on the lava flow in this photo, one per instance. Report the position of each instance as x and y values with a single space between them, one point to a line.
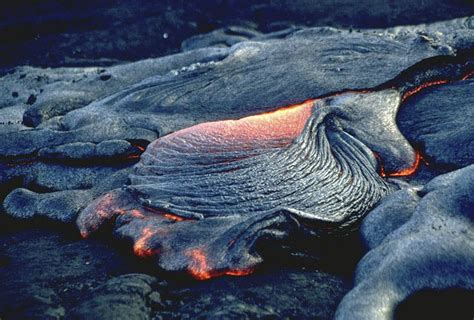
167 215
201 270
425 85
267 130
141 248
468 75
191 241
405 172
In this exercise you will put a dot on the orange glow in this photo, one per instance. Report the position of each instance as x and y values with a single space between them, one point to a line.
167 215
468 75
140 247
272 129
421 87
105 207
135 156
137 214
200 269
404 172
238 273
173 217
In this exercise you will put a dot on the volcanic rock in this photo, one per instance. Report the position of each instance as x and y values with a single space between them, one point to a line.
31 303
432 250
70 135
122 297
339 60
391 213
435 121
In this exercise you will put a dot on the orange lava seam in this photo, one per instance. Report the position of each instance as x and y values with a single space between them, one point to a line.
468 75
408 171
421 87
200 269
140 247
167 215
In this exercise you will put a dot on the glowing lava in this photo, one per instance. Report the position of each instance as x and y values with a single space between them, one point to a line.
405 172
167 215
261 132
137 214
268 130
201 270
425 85
141 248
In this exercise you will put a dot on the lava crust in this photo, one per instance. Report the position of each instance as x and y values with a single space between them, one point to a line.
202 198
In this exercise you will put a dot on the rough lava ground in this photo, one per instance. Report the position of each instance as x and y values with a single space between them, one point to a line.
71 134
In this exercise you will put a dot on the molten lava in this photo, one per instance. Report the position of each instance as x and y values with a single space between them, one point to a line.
274 129
167 215
425 85
201 270
137 214
173 217
405 172
141 247
268 130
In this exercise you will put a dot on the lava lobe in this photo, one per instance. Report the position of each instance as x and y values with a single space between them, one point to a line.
203 198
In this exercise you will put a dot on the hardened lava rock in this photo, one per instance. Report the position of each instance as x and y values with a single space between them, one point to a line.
433 250
440 129
131 296
147 99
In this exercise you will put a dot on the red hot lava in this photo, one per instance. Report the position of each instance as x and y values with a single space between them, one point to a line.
141 247
405 172
201 270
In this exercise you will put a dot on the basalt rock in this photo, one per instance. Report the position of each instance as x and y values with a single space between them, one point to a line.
432 250
82 127
390 214
439 128
314 167
128 294
211 198
213 84
31 303
318 166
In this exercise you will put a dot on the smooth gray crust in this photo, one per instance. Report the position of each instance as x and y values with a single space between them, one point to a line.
63 206
264 78
224 37
433 250
71 111
440 122
60 206
391 213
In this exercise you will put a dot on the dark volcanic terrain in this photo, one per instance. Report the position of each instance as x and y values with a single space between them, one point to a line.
72 134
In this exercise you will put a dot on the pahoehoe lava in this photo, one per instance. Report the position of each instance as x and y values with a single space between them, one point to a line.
203 198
